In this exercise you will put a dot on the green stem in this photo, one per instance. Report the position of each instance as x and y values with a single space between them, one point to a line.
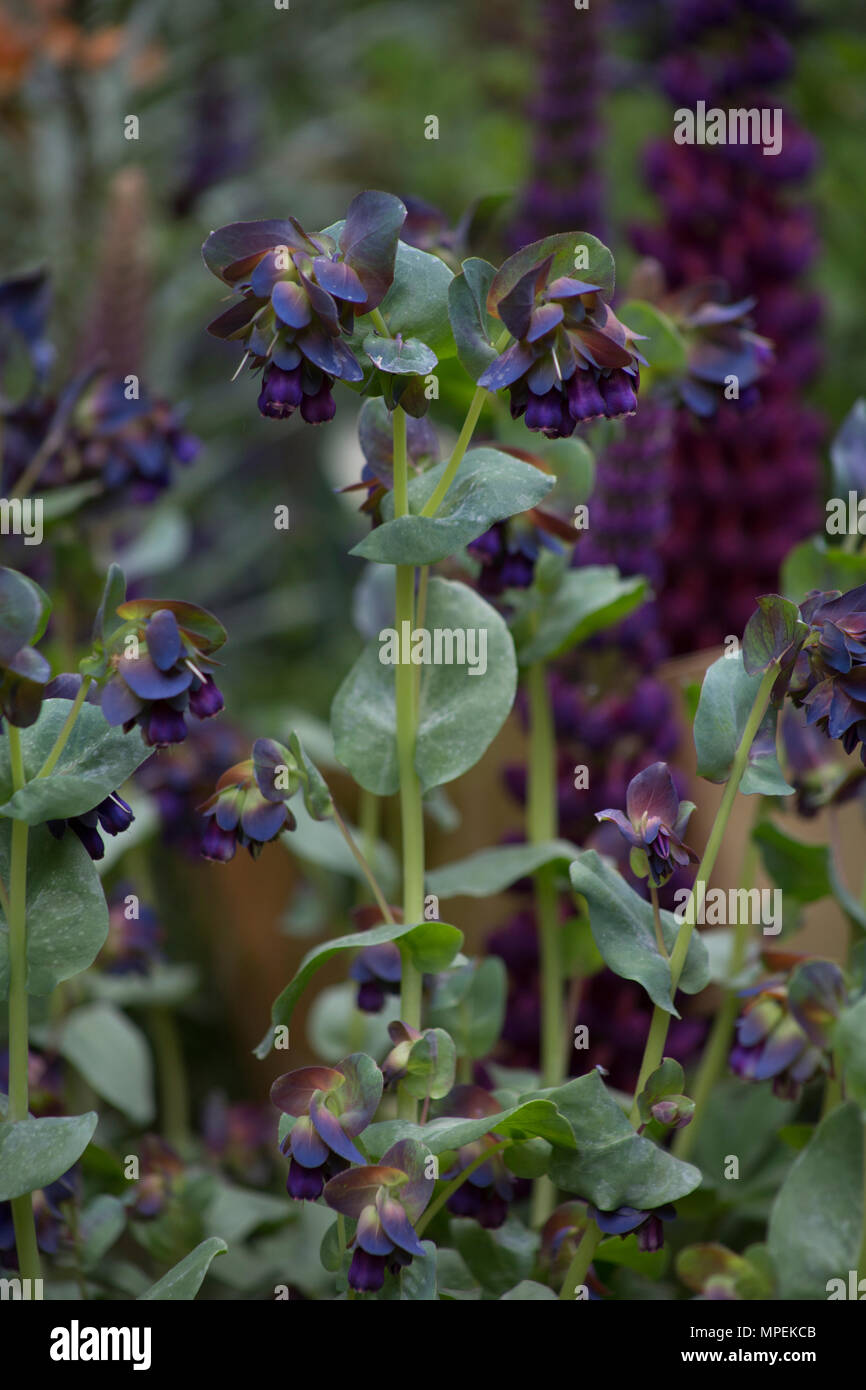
447 1192
171 1070
68 725
19 1094
655 1045
364 867
719 1041
657 921
476 405
541 827
579 1267
411 809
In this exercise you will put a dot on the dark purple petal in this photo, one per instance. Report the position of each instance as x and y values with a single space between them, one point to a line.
146 680
162 635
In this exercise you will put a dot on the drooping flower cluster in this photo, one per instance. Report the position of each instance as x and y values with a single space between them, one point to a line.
573 360
829 677
160 663
249 807
655 821
782 1033
103 432
386 1199
300 296
813 766
330 1107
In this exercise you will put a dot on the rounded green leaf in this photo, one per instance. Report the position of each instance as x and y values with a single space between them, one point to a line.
574 253
462 706
665 348
470 321
817 1218
95 762
489 486
493 870
585 601
112 1056
67 919
613 1166
35 1153
400 356
432 946
727 697
416 305
624 932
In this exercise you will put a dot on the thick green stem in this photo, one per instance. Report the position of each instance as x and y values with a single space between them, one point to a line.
541 827
655 1046
411 809
719 1041
68 725
19 1095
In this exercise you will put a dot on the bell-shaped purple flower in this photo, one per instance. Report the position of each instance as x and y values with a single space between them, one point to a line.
160 662
386 1199
330 1106
655 821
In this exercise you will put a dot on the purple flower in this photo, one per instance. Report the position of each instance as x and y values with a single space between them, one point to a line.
112 816
829 677
646 1225
330 1107
385 1199
160 668
249 806
572 359
300 295
655 821
783 1031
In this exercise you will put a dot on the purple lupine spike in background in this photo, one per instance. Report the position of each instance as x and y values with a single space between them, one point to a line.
565 189
744 488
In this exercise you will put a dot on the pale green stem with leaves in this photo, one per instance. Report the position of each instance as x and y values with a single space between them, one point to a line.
658 1031
654 1050
68 725
719 1041
19 1092
541 828
411 809
476 405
